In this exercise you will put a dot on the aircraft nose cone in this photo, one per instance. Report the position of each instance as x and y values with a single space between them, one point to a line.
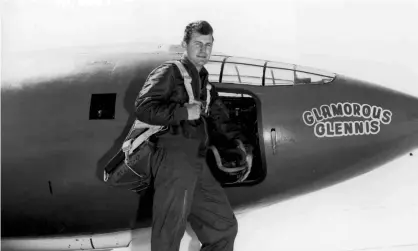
404 115
408 106
395 113
413 114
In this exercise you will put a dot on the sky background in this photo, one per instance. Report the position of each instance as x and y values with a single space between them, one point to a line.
371 40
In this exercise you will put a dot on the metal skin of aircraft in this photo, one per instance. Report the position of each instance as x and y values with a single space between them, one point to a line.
67 114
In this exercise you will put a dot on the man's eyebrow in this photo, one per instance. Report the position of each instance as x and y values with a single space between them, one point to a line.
202 42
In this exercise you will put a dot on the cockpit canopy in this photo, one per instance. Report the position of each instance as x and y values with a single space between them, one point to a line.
236 70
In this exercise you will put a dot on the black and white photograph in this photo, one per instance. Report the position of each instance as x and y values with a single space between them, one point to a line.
158 125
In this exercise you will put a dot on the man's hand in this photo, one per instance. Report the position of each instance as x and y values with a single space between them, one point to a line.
193 110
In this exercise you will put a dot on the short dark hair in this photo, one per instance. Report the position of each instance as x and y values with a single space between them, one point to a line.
201 27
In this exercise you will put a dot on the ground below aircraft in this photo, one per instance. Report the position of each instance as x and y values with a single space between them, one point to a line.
65 113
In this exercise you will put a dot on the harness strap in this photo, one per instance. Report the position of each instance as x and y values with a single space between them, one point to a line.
218 160
187 81
208 88
188 85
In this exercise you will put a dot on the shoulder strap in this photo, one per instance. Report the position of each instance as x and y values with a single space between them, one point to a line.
129 145
188 84
208 88
187 80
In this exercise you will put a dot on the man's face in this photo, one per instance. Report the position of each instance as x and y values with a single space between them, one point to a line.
199 49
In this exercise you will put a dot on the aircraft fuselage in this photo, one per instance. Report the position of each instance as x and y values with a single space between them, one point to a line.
54 144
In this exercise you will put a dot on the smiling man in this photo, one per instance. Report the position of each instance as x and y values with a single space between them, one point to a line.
185 189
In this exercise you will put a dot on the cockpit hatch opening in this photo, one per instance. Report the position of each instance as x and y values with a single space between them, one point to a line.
243 119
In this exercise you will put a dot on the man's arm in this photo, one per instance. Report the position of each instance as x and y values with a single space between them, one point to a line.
153 105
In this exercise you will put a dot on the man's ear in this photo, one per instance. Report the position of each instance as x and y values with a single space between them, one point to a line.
183 44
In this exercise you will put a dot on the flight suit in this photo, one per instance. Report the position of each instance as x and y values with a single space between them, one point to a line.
184 187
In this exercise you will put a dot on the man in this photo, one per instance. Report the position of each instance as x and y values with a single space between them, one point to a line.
184 187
